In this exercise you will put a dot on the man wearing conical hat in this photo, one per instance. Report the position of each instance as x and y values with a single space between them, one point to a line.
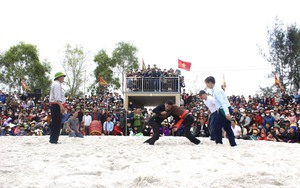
57 101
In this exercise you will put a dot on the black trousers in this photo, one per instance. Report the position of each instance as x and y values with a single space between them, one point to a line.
222 122
56 123
188 121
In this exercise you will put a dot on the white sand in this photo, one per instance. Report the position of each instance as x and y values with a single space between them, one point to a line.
126 162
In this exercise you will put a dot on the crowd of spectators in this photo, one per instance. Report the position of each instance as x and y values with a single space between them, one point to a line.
273 118
155 79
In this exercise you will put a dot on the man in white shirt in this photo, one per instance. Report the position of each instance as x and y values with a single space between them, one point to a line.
86 121
108 126
210 103
237 131
57 101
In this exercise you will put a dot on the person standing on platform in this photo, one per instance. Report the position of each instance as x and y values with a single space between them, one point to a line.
57 101
224 111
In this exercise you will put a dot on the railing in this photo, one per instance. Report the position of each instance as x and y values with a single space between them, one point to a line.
159 84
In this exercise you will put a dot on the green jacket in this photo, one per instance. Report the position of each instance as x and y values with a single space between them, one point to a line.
138 120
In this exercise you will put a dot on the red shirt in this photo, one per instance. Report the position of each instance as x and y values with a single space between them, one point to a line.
117 130
258 120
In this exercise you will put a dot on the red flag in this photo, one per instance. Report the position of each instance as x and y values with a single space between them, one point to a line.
102 82
184 65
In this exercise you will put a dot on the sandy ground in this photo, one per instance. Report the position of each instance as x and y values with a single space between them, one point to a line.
127 162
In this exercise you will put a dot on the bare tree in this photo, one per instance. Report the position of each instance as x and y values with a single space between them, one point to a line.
74 64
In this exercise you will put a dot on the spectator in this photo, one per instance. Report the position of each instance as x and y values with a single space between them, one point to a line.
17 130
271 137
80 113
275 114
165 130
236 114
292 117
117 131
122 120
86 121
245 120
269 119
130 130
2 97
138 119
46 129
237 131
292 135
81 129
108 126
201 128
254 135
263 136
96 115
73 126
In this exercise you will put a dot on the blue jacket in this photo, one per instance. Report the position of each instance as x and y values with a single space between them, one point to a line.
269 119
2 98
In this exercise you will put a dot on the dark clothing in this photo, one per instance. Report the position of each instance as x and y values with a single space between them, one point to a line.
175 111
292 138
46 131
103 118
155 122
201 130
156 132
211 124
158 117
130 118
222 122
180 131
237 116
188 121
55 125
147 131
80 116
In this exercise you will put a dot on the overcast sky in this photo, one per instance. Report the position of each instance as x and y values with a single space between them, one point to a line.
217 36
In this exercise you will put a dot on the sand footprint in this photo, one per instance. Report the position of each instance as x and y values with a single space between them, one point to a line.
145 181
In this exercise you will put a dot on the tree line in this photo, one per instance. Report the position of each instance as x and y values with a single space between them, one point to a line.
21 62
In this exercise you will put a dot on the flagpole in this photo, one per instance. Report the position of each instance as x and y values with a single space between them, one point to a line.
84 89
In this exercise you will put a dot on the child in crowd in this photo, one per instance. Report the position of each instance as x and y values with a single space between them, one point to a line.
254 135
117 129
